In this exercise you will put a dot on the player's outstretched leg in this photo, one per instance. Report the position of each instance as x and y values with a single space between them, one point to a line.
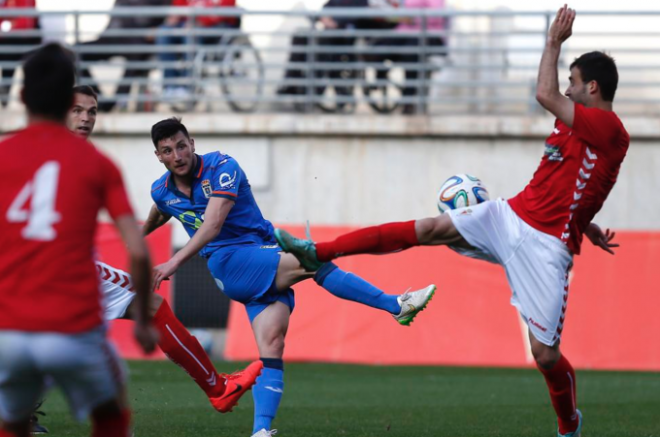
185 351
387 238
348 286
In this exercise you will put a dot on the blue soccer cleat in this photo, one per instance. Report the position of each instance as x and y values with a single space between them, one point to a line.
577 432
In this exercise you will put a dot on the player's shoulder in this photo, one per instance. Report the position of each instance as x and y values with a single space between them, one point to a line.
160 185
217 159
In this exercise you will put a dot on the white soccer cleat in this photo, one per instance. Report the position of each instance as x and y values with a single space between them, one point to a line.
412 302
264 433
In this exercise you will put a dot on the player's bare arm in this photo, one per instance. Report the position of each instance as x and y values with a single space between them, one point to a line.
214 217
140 263
547 91
155 220
601 239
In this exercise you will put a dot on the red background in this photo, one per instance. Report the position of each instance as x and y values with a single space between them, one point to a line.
611 323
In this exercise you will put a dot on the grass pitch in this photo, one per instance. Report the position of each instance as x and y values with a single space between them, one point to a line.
358 401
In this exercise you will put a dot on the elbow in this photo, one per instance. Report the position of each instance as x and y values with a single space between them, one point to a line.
543 97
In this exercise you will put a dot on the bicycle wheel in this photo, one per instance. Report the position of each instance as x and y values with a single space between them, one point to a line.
242 76
339 98
383 88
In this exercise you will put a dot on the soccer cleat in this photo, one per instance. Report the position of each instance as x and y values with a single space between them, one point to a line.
412 302
264 433
303 250
236 384
577 432
35 426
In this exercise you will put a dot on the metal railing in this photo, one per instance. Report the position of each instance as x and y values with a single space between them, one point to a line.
476 62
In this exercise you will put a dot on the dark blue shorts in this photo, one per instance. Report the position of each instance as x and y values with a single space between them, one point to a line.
246 274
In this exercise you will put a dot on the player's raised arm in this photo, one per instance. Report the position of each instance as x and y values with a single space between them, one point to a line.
214 217
156 219
547 91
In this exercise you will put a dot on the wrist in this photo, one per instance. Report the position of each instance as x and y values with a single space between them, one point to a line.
553 43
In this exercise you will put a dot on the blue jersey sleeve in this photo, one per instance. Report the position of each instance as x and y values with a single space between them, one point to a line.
227 178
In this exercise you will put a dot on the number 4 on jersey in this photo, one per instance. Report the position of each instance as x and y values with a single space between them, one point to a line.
41 191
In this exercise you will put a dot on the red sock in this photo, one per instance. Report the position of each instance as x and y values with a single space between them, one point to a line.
563 393
387 238
115 425
5 433
185 351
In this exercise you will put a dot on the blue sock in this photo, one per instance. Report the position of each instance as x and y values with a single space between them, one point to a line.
350 287
267 393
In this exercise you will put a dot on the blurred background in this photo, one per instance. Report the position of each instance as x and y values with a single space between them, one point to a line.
350 113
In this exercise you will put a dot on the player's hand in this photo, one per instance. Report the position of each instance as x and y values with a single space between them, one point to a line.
562 28
146 336
162 272
600 238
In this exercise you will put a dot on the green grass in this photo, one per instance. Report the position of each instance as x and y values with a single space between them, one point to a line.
357 401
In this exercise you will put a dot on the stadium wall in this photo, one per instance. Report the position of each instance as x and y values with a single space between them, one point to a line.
342 172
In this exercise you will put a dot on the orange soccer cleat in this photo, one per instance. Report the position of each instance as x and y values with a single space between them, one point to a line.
236 384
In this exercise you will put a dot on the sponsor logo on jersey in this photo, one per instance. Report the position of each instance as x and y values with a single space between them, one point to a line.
172 201
227 181
206 188
537 324
272 246
466 211
191 219
553 153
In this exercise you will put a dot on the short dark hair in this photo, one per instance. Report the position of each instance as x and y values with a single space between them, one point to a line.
49 76
600 67
167 129
86 90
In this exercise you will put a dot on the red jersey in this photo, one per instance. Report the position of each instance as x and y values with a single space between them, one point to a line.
53 186
577 173
209 21
18 23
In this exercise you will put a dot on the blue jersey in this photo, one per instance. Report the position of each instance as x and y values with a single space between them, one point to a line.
216 175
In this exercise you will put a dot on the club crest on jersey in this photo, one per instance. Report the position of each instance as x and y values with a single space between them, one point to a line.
553 153
206 188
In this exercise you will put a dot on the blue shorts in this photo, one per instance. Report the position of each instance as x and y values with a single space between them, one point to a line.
246 274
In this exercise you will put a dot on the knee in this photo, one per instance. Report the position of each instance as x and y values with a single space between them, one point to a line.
155 303
272 346
429 230
545 356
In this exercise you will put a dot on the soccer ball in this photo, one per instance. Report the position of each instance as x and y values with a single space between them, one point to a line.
460 191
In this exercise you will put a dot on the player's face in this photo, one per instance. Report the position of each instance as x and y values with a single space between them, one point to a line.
82 115
577 90
177 153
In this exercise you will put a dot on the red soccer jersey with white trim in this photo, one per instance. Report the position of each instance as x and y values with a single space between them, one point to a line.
577 172
53 185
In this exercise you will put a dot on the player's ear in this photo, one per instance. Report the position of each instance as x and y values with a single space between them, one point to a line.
158 156
192 144
593 88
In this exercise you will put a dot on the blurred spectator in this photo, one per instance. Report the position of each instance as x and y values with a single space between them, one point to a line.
11 29
409 30
333 24
118 23
180 21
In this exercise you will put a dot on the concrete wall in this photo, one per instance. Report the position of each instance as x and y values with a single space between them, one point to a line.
363 170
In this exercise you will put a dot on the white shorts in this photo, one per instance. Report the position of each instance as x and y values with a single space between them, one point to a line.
117 290
536 264
84 365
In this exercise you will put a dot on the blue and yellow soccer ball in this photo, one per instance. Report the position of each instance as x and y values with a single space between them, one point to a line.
461 190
